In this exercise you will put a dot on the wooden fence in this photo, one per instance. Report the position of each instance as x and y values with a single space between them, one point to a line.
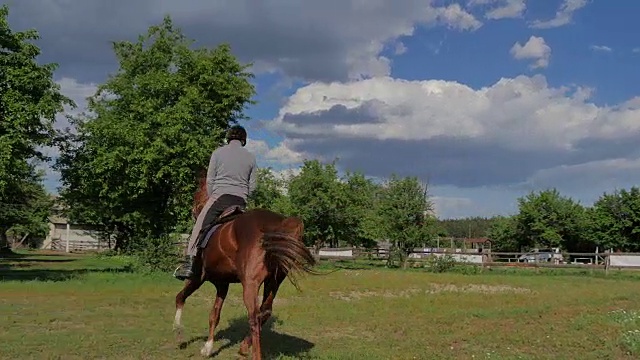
83 240
486 258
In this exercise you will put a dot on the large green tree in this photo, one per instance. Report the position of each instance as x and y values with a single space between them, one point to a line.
504 235
29 102
336 211
405 217
316 197
131 166
270 193
361 219
548 219
615 220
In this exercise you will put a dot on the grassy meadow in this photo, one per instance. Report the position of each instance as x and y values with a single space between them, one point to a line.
87 307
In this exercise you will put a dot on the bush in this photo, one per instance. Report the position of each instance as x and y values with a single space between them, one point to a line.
467 269
159 254
439 264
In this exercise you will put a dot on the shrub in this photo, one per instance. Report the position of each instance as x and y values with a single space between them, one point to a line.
159 254
439 264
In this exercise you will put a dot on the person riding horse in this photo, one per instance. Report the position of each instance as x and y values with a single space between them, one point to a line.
231 178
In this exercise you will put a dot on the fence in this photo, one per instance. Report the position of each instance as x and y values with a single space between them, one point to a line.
485 258
68 239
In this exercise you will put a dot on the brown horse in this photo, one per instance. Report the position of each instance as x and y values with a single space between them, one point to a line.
251 248
200 196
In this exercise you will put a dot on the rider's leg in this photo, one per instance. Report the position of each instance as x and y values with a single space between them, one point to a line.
186 268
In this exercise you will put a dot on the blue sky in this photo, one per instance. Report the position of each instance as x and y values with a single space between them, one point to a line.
484 99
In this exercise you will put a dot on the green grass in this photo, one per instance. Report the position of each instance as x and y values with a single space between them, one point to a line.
89 307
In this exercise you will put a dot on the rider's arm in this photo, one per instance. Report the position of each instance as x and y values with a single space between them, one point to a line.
211 173
253 176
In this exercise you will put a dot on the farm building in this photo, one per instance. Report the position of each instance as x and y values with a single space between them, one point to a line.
66 236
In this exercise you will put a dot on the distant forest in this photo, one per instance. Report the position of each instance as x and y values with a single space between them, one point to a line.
473 227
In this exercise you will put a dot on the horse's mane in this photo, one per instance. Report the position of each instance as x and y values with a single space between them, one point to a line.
200 196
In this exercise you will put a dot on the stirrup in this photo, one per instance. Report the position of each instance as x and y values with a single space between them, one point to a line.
176 271
182 278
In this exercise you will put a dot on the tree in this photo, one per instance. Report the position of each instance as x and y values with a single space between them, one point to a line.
614 220
29 102
404 213
269 193
547 219
471 227
28 218
504 235
316 197
360 217
131 166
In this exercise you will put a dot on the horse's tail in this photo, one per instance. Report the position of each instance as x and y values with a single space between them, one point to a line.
285 252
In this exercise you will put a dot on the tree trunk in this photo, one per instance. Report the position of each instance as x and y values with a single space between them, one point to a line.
405 261
23 239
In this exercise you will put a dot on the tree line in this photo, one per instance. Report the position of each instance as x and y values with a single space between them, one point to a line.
129 163
355 211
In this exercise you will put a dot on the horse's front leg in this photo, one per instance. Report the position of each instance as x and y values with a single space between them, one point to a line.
189 288
214 317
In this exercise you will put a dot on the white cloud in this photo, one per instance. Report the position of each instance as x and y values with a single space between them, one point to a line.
453 16
78 92
458 135
580 180
280 154
503 9
598 173
400 49
563 16
535 48
444 207
521 112
602 48
321 40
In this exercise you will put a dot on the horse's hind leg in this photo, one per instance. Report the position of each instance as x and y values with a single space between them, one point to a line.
190 286
271 286
214 317
250 296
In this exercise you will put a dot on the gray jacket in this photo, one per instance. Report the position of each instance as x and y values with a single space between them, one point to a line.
232 170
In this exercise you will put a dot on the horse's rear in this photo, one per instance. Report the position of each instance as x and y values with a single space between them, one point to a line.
259 246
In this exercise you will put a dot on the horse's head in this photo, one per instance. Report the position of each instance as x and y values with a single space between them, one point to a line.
200 197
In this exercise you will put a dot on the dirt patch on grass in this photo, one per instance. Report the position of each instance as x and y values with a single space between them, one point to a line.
478 288
433 289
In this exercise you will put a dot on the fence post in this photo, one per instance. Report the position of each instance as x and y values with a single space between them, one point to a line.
607 261
67 236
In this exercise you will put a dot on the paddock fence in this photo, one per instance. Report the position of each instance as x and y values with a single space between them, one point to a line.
486 258
63 237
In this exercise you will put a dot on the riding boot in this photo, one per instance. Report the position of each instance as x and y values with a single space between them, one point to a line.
185 271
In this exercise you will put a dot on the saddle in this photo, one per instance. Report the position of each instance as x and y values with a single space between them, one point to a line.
208 230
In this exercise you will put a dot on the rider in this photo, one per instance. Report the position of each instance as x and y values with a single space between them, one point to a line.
231 177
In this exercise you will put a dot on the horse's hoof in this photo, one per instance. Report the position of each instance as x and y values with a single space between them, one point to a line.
207 349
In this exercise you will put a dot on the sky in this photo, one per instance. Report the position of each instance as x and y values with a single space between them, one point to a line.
485 100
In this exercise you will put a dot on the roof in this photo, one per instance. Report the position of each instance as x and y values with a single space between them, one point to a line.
56 219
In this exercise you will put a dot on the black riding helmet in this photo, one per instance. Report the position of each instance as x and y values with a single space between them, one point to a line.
237 132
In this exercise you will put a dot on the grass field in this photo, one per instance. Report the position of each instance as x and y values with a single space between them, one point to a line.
87 307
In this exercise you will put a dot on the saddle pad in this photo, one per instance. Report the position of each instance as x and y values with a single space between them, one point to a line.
205 240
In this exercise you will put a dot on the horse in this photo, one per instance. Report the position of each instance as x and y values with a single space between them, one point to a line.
251 247
200 195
